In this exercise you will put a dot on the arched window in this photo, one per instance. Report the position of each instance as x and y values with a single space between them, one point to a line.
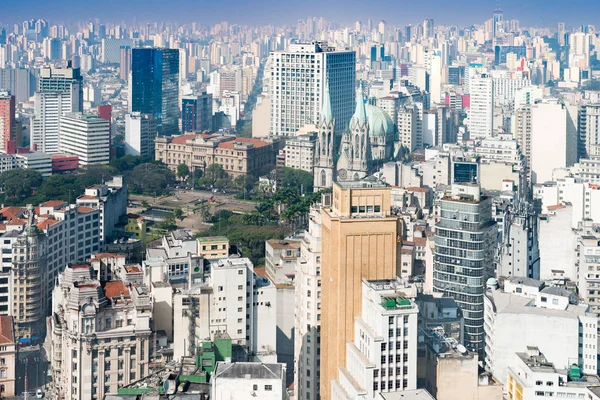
323 178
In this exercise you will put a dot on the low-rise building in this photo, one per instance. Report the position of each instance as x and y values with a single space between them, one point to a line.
237 155
531 376
248 381
8 357
300 152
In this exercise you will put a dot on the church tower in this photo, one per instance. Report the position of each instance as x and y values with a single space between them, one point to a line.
324 146
355 153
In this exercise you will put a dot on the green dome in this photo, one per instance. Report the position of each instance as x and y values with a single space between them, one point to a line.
380 123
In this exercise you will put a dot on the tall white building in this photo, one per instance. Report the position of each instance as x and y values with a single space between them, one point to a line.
307 338
383 356
553 138
140 131
526 313
248 381
298 79
481 112
59 92
85 136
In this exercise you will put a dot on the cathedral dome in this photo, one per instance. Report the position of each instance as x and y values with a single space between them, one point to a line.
380 123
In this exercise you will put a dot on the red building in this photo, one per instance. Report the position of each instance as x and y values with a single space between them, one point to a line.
63 163
105 112
7 118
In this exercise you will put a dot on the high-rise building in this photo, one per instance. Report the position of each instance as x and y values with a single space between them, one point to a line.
7 119
85 136
307 340
382 355
155 86
498 20
428 27
297 97
465 241
361 240
196 113
60 91
140 131
125 63
481 112
589 126
111 49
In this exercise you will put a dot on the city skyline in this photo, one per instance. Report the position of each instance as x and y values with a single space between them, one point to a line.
252 13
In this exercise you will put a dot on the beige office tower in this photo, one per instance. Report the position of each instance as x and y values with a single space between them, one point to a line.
361 240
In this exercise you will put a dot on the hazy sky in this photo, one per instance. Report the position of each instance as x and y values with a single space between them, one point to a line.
262 12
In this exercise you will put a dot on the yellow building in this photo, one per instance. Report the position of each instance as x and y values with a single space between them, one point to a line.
213 247
361 240
137 225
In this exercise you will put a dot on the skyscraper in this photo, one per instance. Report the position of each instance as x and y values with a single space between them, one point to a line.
498 20
196 113
361 239
7 118
125 63
155 86
140 131
59 92
465 242
481 113
299 77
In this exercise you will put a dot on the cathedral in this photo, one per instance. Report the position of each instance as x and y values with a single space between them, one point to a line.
365 143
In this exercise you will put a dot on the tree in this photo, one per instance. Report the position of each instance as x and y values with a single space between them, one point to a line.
214 173
126 163
298 179
204 212
183 171
150 179
20 183
168 223
178 213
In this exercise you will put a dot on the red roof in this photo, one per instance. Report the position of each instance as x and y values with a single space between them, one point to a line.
261 272
6 330
87 197
419 241
12 212
80 266
556 207
2 227
229 144
183 138
114 289
84 210
54 203
46 223
17 221
132 269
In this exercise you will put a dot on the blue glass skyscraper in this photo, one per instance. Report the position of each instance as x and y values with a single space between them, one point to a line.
155 86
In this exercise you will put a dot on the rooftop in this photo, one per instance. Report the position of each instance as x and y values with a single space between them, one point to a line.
249 370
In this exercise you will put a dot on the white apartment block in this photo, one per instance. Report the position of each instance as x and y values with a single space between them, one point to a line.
553 139
589 129
298 78
307 346
85 136
39 161
506 89
140 131
111 199
406 121
300 152
532 376
100 334
481 112
233 301
59 92
526 313
383 355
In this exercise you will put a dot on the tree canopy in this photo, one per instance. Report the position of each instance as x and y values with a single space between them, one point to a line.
150 179
20 183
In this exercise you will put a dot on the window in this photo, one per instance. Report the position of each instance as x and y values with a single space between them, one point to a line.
254 387
268 388
383 346
241 272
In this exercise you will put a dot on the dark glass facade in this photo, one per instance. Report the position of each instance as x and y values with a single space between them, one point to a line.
155 86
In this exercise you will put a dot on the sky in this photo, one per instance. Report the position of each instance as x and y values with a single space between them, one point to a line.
278 12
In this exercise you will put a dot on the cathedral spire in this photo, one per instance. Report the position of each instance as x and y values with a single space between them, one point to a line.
326 112
360 113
